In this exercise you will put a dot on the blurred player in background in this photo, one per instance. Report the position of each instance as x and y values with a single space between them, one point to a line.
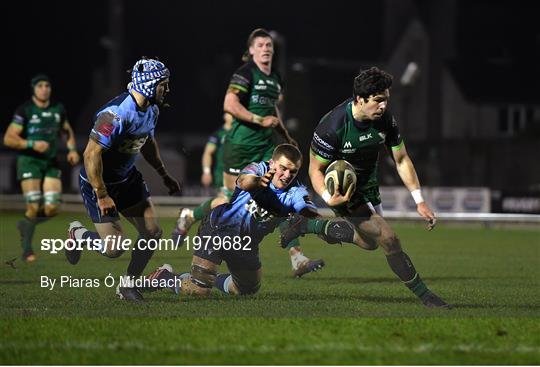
109 181
354 131
212 159
252 98
212 168
34 132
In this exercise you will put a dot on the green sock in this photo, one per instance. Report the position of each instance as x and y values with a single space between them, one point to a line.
417 286
202 210
27 231
317 226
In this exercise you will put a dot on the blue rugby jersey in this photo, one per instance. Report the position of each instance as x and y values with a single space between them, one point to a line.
122 128
260 213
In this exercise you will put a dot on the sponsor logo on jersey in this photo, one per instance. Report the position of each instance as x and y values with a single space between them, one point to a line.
320 141
27 175
347 148
262 100
105 128
46 114
258 213
321 153
261 82
132 146
35 119
57 117
365 137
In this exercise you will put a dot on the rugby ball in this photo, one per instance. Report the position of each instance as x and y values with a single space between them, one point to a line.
339 172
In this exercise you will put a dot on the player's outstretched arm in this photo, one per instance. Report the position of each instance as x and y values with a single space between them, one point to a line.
406 171
150 152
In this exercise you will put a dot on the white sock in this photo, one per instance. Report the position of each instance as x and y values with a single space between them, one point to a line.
79 232
298 259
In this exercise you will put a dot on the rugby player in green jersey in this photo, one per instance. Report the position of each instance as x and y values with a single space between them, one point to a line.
212 159
252 97
354 131
34 132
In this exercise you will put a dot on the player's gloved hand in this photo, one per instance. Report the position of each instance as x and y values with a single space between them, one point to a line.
425 212
206 179
266 179
73 157
171 184
106 206
270 121
40 146
337 199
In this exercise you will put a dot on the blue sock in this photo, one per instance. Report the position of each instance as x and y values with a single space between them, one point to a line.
98 246
222 282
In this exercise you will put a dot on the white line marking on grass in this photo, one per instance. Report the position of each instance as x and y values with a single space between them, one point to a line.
264 349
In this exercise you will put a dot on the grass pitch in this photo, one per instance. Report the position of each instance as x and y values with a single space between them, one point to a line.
354 311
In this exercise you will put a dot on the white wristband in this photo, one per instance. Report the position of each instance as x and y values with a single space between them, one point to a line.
326 196
417 196
206 170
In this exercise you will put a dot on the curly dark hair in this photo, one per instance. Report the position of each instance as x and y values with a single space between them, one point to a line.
371 81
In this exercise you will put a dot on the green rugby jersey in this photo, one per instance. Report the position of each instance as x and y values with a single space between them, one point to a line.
40 124
340 136
259 94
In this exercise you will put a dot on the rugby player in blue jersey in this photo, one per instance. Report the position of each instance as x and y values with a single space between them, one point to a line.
109 181
265 194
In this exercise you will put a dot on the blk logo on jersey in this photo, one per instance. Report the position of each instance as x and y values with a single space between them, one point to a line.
365 137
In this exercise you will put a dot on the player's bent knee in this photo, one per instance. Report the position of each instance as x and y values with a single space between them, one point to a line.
339 230
390 243
244 288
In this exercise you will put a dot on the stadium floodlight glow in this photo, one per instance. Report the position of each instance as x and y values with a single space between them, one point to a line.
410 74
